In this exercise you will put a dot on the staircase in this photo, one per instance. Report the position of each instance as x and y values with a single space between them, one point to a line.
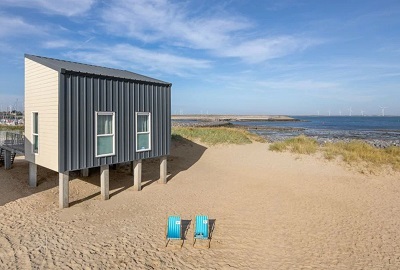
2 153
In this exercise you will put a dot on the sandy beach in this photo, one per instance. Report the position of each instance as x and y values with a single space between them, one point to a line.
270 211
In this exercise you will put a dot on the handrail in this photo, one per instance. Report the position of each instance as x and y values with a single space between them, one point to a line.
12 140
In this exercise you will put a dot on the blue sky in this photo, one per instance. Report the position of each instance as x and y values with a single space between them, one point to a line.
240 57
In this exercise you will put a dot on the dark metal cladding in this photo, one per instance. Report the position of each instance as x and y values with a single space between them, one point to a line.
82 95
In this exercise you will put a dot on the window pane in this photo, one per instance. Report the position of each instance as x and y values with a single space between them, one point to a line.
104 145
143 141
35 123
104 124
142 123
35 143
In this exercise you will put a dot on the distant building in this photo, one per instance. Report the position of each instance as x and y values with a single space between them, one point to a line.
80 116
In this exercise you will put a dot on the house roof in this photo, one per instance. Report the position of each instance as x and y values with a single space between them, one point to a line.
63 66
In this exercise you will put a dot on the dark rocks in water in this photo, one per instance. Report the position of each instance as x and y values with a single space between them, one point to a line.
200 124
231 118
373 142
276 134
267 128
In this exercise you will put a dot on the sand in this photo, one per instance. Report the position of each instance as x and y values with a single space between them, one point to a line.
270 211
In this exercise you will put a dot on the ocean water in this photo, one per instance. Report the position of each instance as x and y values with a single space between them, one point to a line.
330 127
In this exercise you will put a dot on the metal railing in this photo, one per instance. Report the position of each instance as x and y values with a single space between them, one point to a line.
14 141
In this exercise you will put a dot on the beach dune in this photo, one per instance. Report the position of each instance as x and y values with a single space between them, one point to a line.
270 211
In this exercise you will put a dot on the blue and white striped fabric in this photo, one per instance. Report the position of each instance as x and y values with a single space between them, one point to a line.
202 228
174 228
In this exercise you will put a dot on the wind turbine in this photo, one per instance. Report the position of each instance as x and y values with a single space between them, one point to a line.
383 110
362 113
350 111
329 112
340 112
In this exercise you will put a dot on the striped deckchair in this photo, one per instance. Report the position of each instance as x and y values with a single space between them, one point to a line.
201 229
173 229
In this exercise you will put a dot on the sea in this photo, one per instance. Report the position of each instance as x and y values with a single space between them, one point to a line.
369 128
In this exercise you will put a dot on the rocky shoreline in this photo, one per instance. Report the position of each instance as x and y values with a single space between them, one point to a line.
200 123
233 118
373 142
276 134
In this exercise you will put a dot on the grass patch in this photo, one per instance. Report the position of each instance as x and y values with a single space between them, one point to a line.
350 152
358 151
215 135
11 128
298 145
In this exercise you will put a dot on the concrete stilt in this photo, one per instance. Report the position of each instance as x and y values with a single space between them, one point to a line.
163 170
85 172
137 175
104 182
7 159
32 174
63 187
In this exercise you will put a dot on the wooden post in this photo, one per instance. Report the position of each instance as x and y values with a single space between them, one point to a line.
163 170
32 174
104 182
63 187
85 172
137 175
7 159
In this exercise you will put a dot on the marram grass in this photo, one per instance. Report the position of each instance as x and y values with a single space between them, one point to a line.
11 128
215 135
356 151
298 145
350 152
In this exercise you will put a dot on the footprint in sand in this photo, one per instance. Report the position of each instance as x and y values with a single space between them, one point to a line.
10 257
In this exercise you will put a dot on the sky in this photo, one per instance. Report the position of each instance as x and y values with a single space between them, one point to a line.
290 57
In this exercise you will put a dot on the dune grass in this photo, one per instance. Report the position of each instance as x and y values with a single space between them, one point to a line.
350 152
11 128
215 135
356 151
298 145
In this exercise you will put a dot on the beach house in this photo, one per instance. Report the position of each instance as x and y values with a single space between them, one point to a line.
80 116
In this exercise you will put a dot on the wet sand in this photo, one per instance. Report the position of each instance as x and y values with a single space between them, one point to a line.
270 210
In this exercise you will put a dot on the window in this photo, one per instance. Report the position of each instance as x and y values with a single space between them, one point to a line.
105 134
143 138
35 132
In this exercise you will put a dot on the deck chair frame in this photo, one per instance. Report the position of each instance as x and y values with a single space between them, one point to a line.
208 228
166 231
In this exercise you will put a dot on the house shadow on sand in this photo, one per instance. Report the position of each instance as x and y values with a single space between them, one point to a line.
14 182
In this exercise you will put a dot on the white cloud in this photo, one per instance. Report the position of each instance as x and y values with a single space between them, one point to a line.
159 20
173 24
65 43
297 84
125 55
59 43
259 50
61 7
255 83
14 26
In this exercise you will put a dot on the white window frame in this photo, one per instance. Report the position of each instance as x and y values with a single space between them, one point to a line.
35 134
101 135
148 132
